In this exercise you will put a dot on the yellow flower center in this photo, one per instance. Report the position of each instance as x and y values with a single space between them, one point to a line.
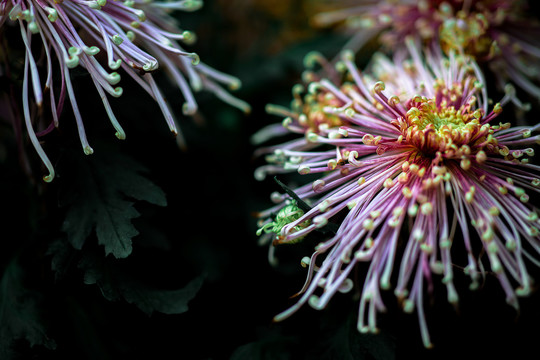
468 33
314 115
433 125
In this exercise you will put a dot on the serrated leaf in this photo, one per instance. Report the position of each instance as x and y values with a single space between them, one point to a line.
62 256
134 185
116 283
114 229
19 313
101 191
271 348
343 341
163 301
78 224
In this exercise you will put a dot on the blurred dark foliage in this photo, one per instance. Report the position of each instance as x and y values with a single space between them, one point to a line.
199 252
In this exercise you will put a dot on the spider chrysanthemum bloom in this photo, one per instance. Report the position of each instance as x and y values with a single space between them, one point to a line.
412 171
501 33
107 39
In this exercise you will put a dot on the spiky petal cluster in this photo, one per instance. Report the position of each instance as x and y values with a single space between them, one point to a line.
499 32
414 169
136 36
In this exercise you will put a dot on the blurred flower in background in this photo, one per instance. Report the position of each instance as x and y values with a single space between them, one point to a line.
273 26
410 167
108 39
499 33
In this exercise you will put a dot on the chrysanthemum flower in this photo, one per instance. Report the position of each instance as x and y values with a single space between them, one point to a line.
104 37
413 169
499 32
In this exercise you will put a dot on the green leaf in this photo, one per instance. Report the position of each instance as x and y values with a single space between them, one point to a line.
343 341
275 347
62 256
163 301
114 229
117 282
19 313
101 191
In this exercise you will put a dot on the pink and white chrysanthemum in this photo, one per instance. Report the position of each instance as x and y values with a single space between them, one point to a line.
412 170
104 37
498 32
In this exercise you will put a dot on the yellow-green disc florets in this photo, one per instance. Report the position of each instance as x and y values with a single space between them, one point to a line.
311 107
437 125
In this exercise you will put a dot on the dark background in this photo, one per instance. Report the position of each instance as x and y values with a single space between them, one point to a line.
208 228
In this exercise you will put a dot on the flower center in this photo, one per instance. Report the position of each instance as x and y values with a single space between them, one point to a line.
433 125
313 115
467 33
